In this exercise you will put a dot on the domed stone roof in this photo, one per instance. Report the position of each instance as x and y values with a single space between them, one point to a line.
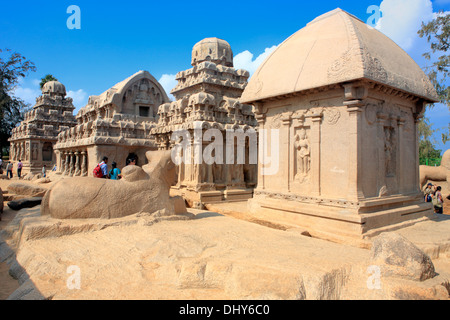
213 49
334 48
54 88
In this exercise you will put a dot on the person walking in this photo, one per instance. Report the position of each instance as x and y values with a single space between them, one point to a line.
9 170
19 168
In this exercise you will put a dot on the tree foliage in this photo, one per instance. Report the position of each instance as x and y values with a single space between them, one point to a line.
46 79
13 67
437 33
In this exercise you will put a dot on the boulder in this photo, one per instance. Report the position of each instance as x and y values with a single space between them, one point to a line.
398 257
140 190
16 205
27 189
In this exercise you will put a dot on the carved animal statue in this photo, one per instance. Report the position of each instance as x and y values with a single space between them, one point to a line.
441 173
140 190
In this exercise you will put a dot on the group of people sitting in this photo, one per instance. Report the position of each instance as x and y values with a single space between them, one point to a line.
432 193
101 171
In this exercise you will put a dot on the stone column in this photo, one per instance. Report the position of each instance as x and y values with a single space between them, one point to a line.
417 186
84 172
261 119
286 150
315 155
77 164
401 155
71 164
381 177
354 109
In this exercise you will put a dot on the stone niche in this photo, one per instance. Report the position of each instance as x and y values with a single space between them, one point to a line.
337 106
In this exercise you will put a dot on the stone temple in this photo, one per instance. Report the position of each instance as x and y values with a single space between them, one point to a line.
207 97
116 124
335 107
33 141
345 101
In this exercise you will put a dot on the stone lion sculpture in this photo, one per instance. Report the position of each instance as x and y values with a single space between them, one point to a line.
441 173
140 190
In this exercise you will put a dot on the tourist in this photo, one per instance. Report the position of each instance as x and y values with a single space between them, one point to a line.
19 168
438 201
101 171
44 172
131 161
9 170
427 192
115 173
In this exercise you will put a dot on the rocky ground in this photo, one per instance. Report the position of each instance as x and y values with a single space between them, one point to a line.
209 256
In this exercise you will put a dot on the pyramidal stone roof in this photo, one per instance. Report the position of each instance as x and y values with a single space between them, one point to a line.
336 47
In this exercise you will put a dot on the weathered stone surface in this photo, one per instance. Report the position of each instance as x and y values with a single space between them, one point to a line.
399 257
25 203
27 189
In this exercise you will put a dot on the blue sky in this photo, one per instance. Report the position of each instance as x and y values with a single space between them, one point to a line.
119 38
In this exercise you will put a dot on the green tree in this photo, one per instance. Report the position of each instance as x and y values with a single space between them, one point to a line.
437 33
46 79
427 148
13 67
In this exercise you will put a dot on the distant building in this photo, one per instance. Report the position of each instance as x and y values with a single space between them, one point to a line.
33 141
116 124
207 97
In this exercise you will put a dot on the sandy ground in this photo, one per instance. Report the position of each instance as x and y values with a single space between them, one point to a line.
214 256
8 284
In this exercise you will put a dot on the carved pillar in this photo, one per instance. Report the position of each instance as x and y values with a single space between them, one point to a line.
261 119
286 152
315 155
77 164
381 178
84 172
354 147
354 95
417 186
401 155
71 164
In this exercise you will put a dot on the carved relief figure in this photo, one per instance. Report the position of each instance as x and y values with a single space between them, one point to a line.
303 148
389 150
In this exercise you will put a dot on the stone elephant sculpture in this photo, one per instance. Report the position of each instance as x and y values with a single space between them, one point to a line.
140 190
441 173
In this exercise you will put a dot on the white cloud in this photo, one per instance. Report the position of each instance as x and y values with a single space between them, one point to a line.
28 95
80 98
244 60
168 82
401 19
